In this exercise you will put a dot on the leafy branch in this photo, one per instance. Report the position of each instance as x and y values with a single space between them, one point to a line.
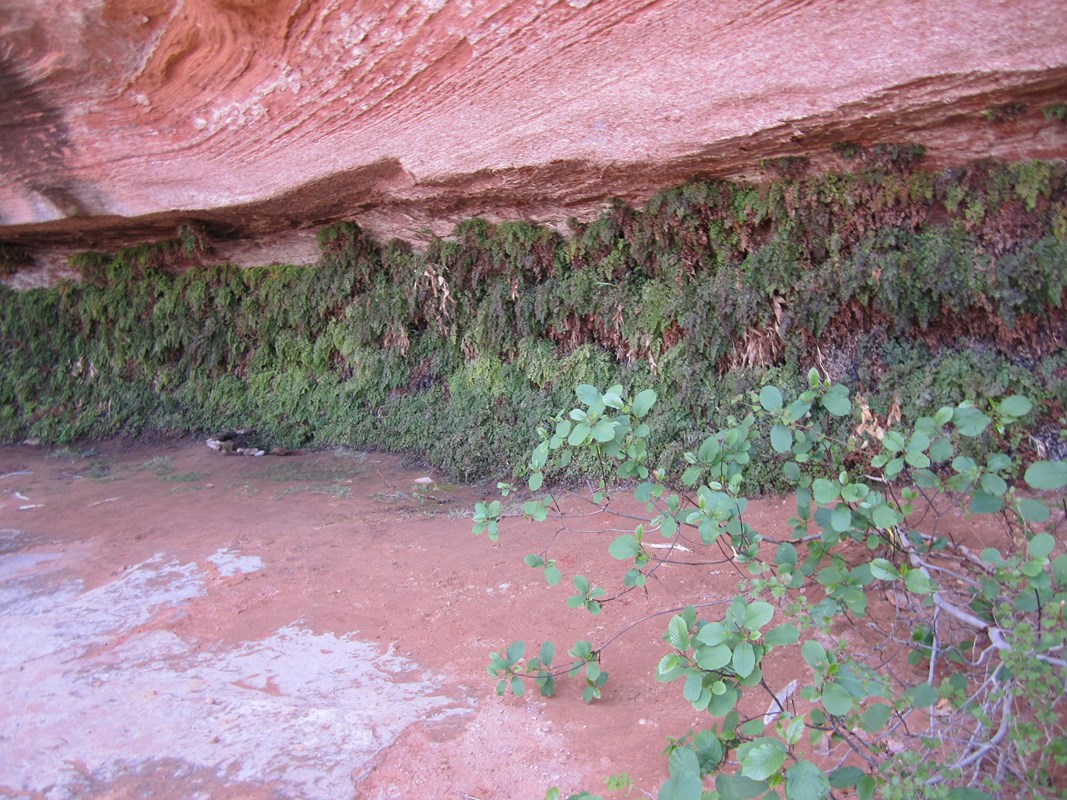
989 626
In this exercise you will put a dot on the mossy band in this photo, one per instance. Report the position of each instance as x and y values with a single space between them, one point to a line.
904 283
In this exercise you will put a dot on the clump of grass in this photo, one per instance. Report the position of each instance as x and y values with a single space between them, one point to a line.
99 470
337 491
163 468
71 453
160 466
185 477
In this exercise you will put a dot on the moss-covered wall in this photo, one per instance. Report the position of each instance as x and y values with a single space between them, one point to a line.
916 288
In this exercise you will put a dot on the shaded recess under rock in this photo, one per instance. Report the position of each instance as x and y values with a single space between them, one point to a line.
914 287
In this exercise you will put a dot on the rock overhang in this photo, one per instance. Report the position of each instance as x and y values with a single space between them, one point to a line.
268 119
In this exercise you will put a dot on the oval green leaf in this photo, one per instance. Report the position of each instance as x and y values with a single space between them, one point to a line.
969 421
786 633
744 660
875 717
781 438
761 758
624 547
643 403
824 491
805 781
1041 546
1046 475
587 394
836 401
714 657
1032 510
841 519
883 570
604 431
1015 406
758 614
771 399
836 700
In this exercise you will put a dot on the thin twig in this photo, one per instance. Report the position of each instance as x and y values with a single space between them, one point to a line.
980 753
996 635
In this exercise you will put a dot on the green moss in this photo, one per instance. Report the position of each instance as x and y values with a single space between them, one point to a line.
12 259
1008 112
847 150
786 166
1055 111
90 266
1032 181
899 155
1030 279
193 237
922 276
902 279
919 378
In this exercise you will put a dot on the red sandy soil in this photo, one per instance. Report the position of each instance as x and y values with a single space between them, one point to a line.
350 546
129 574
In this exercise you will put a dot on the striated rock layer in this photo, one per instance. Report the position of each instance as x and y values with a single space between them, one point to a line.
257 117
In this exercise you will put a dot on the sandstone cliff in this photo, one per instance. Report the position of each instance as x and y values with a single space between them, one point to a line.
268 118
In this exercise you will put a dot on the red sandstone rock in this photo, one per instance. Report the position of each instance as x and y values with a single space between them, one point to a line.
260 116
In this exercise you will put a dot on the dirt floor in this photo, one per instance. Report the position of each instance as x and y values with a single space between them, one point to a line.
178 623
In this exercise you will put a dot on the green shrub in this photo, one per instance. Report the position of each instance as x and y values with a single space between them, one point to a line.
983 714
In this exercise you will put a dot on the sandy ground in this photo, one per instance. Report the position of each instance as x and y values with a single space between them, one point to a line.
175 623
